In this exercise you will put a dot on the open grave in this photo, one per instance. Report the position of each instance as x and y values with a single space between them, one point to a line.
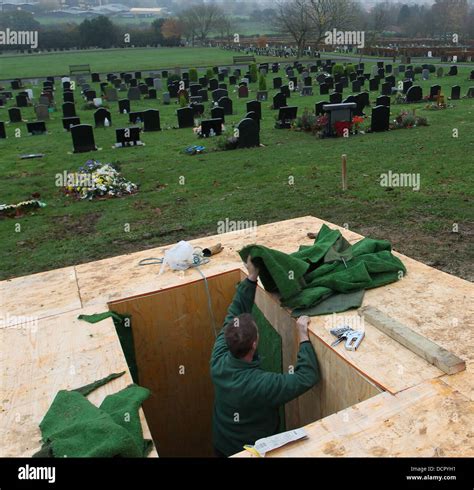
381 400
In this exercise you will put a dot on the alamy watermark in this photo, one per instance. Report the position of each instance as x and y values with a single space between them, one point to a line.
393 179
74 179
10 37
345 38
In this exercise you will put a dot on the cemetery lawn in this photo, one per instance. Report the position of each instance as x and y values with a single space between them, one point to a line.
250 184
113 60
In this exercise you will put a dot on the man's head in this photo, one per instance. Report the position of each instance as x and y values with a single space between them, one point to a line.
241 336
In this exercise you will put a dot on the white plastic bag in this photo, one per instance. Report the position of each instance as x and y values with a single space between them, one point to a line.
178 258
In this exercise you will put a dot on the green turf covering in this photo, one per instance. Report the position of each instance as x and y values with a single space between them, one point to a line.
74 427
269 351
330 266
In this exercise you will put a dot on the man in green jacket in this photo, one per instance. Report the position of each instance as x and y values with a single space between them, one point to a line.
247 398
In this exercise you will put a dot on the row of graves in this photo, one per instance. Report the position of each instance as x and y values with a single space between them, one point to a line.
298 79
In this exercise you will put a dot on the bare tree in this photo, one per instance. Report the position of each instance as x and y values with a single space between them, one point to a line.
293 18
200 20
326 15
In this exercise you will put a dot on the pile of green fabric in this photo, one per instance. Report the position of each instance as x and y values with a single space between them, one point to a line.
329 276
74 427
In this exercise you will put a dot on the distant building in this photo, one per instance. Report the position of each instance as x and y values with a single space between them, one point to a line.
26 5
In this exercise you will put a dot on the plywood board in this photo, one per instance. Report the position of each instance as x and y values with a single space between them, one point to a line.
383 360
174 336
428 420
62 353
39 295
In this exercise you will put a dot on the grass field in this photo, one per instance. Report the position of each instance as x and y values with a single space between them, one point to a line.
245 185
112 60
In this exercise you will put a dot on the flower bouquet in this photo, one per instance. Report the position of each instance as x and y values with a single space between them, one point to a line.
99 180
19 209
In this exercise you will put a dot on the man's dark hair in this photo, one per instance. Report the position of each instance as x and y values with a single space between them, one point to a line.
240 334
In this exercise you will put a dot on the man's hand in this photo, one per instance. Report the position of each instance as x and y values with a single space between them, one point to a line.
302 327
253 271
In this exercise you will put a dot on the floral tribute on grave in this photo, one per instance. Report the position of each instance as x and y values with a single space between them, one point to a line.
96 180
406 120
20 209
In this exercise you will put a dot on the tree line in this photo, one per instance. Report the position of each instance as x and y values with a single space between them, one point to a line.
302 21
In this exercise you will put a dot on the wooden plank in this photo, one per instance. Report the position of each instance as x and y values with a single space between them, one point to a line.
425 348
62 352
173 337
427 420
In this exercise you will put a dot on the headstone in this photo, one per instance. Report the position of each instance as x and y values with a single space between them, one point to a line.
414 94
3 133
157 83
90 95
356 86
285 90
279 100
213 84
83 138
407 84
36 128
125 137
95 77
134 93
455 92
166 98
218 94
453 71
286 116
203 93
151 120
194 89
69 109
383 100
143 87
68 97
218 113
111 94
434 91
249 133
152 93
335 98
319 107
21 100
226 104
386 88
338 112
124 106
306 91
277 83
380 118
410 74
255 106
373 84
100 115
243 92
323 89
425 74
42 113
198 109
149 82
133 82
211 127
339 87
185 117
70 121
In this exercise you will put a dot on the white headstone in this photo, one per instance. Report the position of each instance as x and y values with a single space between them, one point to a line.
430 54
98 101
